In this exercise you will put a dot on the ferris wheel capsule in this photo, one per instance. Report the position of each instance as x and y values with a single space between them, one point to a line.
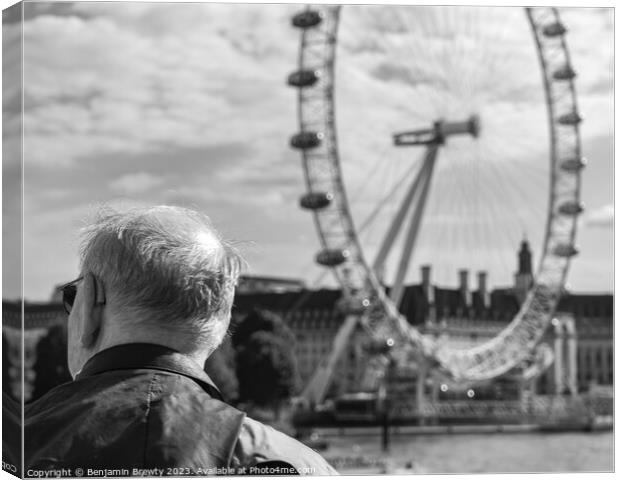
316 200
379 346
354 306
571 208
554 29
573 164
332 257
564 73
307 19
571 118
303 78
306 140
565 250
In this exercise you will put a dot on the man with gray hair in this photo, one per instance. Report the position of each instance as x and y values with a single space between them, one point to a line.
152 302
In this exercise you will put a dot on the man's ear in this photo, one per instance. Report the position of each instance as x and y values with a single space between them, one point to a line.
92 312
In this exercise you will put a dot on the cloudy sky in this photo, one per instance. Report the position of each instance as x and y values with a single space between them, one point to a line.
138 104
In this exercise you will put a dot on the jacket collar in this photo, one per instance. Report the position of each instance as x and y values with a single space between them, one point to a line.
150 356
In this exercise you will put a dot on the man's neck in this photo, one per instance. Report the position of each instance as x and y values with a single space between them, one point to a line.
171 340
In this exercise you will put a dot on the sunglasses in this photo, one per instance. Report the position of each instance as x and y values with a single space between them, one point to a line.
69 291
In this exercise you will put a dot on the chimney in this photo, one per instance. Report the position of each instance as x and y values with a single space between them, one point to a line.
482 288
426 280
464 287
429 292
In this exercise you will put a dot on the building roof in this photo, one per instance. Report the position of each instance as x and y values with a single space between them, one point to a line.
37 315
503 305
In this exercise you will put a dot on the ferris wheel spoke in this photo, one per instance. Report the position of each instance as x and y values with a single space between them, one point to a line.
512 189
426 64
392 192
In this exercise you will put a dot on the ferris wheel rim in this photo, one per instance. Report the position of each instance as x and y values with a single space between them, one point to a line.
349 264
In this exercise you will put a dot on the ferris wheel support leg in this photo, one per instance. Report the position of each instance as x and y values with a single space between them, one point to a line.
316 389
558 364
414 227
420 390
398 220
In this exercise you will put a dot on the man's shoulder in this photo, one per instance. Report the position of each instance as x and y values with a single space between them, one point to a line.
261 443
121 389
106 389
104 413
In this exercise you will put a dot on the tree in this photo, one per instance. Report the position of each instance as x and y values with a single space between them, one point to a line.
51 364
267 370
220 366
266 363
259 320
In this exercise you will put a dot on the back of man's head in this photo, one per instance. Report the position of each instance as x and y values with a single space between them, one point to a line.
165 268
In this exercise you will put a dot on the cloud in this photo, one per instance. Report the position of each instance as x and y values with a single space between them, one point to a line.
601 217
594 66
134 183
135 90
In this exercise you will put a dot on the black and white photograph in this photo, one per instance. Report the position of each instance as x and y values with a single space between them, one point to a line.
306 239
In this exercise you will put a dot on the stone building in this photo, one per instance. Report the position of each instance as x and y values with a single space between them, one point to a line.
581 336
468 315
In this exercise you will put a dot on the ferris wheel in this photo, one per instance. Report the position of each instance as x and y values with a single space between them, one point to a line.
468 111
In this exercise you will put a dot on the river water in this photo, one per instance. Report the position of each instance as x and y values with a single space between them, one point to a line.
475 453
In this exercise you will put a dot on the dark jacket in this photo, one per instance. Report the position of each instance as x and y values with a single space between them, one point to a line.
139 407
11 435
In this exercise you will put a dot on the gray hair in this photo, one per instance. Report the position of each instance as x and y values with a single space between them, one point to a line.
164 265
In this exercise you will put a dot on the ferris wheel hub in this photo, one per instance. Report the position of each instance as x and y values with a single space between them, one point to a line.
439 132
